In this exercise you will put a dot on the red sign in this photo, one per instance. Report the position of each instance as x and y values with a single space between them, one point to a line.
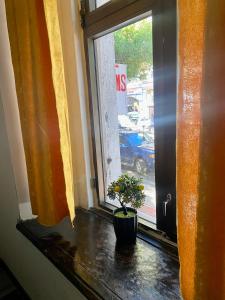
121 77
121 82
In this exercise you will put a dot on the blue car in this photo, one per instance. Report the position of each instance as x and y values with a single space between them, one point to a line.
135 152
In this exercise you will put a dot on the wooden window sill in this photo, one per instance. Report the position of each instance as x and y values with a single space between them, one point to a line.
90 258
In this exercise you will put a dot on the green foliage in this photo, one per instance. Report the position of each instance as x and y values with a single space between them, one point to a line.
133 47
128 190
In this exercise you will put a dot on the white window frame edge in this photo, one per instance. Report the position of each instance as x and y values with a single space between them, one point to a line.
77 92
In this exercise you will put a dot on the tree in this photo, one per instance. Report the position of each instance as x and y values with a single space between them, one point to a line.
133 47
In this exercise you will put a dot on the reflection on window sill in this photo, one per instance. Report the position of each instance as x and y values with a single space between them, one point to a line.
90 258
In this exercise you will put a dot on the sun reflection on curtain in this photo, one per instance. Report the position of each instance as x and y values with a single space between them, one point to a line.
201 149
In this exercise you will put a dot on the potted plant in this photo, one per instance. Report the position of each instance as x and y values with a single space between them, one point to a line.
127 190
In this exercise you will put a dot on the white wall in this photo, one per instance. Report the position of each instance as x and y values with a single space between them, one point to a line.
35 273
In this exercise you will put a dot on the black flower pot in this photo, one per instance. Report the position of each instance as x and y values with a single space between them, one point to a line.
125 228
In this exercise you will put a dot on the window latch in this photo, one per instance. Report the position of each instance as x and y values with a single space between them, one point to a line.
168 199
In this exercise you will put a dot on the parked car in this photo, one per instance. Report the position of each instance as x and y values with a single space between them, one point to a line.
125 123
144 124
136 153
133 116
148 137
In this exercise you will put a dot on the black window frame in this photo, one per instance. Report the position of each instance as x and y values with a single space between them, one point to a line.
108 18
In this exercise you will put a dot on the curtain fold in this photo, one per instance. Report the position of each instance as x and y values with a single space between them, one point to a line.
201 149
42 103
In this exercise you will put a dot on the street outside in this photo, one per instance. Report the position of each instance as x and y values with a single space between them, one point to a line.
126 107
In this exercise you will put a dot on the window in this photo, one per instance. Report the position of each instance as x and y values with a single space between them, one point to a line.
131 53
97 3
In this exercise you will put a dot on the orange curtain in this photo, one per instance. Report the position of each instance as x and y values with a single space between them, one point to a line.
201 149
39 76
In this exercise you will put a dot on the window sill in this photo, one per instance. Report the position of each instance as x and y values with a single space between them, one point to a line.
147 230
89 257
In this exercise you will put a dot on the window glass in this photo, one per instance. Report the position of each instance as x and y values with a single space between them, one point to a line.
124 64
93 4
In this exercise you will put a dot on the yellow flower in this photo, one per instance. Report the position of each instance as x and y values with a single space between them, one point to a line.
116 188
140 187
